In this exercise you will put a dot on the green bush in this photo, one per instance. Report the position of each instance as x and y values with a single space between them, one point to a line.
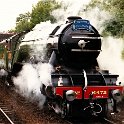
24 54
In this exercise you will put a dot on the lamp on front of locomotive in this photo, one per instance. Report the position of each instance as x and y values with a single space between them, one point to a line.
60 81
82 43
117 95
70 95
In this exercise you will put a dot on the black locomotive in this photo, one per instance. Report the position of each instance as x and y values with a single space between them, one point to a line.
77 84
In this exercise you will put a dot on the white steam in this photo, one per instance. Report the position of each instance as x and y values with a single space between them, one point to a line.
28 84
40 32
3 72
69 8
30 80
44 71
97 17
111 58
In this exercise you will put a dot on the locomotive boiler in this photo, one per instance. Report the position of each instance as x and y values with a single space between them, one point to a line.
78 86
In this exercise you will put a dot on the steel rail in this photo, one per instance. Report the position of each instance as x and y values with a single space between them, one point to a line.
6 116
111 122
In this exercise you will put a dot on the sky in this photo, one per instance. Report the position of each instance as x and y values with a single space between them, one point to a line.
10 9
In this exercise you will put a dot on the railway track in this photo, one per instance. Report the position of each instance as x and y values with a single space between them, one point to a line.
108 121
5 118
8 116
24 107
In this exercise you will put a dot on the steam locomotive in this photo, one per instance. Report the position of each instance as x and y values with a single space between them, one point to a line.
77 86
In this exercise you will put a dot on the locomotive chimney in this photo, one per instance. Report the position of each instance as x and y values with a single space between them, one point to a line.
72 18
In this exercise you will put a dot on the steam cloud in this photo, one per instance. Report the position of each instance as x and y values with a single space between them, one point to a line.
31 79
111 58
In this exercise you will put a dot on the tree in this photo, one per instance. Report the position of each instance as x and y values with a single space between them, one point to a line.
40 12
23 22
114 26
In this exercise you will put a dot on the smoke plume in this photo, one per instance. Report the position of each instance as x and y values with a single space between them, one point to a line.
31 79
111 57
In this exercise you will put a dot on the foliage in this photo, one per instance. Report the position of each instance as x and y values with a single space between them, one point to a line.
115 26
23 22
11 31
40 12
24 53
